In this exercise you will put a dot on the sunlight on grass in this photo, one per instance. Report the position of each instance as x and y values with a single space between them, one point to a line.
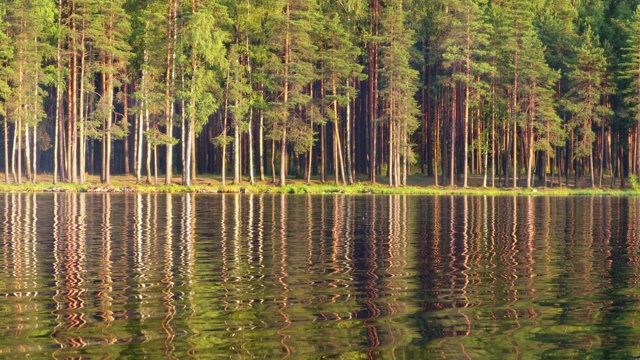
213 184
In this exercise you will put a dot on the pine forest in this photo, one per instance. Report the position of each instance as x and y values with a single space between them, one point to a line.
507 93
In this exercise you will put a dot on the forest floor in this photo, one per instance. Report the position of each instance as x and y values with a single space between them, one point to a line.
416 184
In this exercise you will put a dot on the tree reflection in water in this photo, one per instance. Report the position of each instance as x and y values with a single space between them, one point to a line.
397 276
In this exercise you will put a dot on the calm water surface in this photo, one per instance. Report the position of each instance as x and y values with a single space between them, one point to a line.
272 276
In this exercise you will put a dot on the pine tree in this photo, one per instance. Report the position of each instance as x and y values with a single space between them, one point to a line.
588 87
109 30
539 121
339 67
31 22
632 72
240 86
6 56
293 75
557 29
149 36
205 37
463 53
398 90
519 17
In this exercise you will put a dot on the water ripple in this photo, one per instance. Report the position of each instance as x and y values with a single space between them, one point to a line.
157 275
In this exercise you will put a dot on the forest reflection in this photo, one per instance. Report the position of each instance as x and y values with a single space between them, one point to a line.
298 276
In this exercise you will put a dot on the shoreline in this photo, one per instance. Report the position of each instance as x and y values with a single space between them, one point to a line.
209 185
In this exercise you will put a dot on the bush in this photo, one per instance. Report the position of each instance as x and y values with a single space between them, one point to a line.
633 179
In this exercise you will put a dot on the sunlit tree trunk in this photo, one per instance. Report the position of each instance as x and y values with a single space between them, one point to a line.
337 159
56 128
283 145
169 81
6 145
348 140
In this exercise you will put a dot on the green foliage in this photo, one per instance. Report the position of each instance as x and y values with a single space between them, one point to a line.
29 25
633 179
205 37
631 65
399 80
221 140
589 85
6 55
483 65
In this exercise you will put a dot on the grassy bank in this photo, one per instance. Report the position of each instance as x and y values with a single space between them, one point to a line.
418 185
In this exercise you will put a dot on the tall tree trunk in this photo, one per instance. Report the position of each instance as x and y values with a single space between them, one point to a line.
148 159
73 121
287 50
323 135
348 139
35 154
436 142
6 146
27 152
273 160
250 71
530 140
188 147
452 164
374 8
194 168
493 134
515 111
466 100
107 156
224 130
141 121
338 159
391 165
14 152
251 161
18 126
125 116
310 153
261 137
34 164
237 147
81 111
169 82
56 128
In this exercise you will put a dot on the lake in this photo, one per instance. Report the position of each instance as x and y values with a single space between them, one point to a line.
298 276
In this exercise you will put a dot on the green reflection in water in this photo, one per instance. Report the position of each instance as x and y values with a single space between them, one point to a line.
158 275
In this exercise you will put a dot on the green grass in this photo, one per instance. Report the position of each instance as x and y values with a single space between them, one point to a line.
212 184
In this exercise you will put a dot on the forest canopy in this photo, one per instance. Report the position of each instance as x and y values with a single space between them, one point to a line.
518 93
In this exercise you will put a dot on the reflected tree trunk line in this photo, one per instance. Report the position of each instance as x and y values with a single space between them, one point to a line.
449 269
70 252
20 263
58 276
529 230
513 266
168 278
139 231
494 258
105 272
224 244
371 278
633 239
338 232
323 228
589 258
466 257
398 264
310 234
282 275
188 261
